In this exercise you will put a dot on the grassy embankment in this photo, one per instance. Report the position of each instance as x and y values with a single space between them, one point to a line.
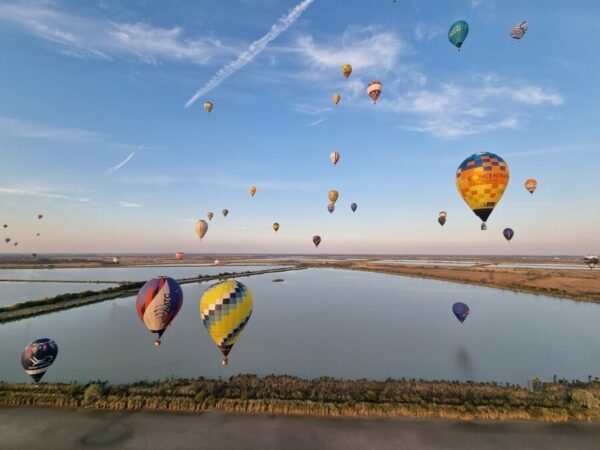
556 402
67 301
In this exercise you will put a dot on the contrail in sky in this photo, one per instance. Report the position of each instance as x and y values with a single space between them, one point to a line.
121 164
255 48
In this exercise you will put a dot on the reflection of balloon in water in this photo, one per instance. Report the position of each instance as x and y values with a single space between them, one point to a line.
481 180
158 302
276 226
374 90
590 260
458 33
353 207
38 357
225 212
208 106
316 240
333 196
461 311
331 208
336 98
518 30
508 233
225 309
201 228
442 218
210 216
346 70
531 185
334 157
252 190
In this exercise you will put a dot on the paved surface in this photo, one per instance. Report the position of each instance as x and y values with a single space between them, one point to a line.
48 429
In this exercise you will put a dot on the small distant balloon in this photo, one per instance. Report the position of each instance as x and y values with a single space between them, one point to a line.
210 215
39 216
461 311
508 234
157 304
334 157
37 234
374 90
531 185
7 240
276 227
333 196
331 208
5 226
208 106
442 218
201 228
458 33
225 212
34 255
353 207
518 30
252 190
336 98
316 240
179 256
346 70
590 260
16 243
217 262
38 357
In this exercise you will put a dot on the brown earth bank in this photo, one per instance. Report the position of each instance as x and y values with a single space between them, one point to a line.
281 394
65 429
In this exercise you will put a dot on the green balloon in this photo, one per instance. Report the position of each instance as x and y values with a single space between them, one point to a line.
458 33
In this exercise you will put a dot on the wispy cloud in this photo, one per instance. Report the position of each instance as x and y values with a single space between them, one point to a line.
130 205
150 179
22 129
550 150
84 37
121 164
41 194
427 32
310 110
255 48
316 122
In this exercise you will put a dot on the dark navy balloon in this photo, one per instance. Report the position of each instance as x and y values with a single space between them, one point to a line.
316 240
461 311
508 233
330 208
38 357
353 207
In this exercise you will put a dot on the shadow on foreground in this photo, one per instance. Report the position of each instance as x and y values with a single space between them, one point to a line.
78 428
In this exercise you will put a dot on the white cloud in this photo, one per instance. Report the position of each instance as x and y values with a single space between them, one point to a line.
255 48
84 37
316 122
121 164
41 194
130 205
427 32
22 129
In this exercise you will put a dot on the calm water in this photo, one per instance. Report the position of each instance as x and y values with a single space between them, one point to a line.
16 292
136 273
328 322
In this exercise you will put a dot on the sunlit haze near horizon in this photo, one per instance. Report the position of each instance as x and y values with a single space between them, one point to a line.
95 132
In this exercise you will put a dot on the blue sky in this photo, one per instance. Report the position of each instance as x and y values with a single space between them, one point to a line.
82 88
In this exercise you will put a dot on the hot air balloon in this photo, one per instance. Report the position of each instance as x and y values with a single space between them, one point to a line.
217 262
201 228
39 216
531 185
37 234
461 311
353 207
316 240
34 255
442 218
331 208
179 256
346 70
210 215
38 357
252 190
481 179
116 259
590 260
208 106
336 98
16 243
276 227
518 30
158 302
333 196
225 212
374 90
7 240
225 309
508 233
458 33
5 226
334 157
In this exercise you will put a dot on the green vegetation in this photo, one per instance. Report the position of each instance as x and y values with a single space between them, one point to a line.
283 394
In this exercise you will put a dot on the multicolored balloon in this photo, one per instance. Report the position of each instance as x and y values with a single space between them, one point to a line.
157 304
458 33
374 90
508 234
336 98
442 218
225 212
208 106
346 70
531 185
334 157
333 196
331 208
481 180
518 30
225 309
201 228
276 227
316 240
38 357
210 215
252 190
461 311
353 207
590 260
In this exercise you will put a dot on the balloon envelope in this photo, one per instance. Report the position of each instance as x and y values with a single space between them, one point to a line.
316 240
590 260
334 157
333 196
225 212
225 309
336 98
531 185
481 180
461 311
158 302
353 207
208 106
210 215
458 33
276 226
331 208
374 90
508 233
442 220
38 357
39 216
346 70
518 30
201 228
252 190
